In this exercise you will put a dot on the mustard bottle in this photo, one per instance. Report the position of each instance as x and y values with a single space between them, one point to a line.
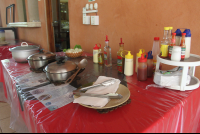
128 69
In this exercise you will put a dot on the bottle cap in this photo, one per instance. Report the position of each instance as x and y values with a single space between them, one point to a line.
156 38
121 42
140 52
178 32
170 28
96 47
173 33
129 55
166 28
142 58
150 56
183 33
106 38
188 33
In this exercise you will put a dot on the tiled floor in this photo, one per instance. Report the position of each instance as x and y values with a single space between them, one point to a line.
5 111
5 118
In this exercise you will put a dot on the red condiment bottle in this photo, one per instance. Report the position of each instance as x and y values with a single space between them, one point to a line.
142 68
183 47
173 43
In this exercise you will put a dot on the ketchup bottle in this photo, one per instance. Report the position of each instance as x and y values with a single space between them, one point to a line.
142 68
183 46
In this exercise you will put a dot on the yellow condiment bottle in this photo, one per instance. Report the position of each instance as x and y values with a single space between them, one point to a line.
138 55
164 44
100 57
128 69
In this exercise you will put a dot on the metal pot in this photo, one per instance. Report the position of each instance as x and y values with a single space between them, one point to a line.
21 53
60 71
41 59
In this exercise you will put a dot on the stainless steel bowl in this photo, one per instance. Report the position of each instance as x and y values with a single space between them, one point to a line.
59 77
41 59
21 53
34 64
60 71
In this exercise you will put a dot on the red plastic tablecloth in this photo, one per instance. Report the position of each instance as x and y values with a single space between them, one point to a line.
151 110
5 53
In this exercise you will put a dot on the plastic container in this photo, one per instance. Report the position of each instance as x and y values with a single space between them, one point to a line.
95 53
142 68
150 65
164 44
170 33
176 53
138 55
155 50
128 69
187 43
2 35
183 47
107 53
100 57
178 37
120 58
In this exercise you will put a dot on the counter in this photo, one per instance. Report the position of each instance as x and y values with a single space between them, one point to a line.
151 110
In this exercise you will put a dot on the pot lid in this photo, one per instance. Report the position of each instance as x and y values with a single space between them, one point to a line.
25 47
60 66
42 56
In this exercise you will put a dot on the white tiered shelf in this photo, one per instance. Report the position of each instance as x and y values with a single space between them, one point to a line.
192 62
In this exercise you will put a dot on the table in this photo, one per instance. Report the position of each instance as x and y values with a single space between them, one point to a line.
151 110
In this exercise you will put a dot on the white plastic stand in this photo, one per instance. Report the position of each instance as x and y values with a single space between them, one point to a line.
192 62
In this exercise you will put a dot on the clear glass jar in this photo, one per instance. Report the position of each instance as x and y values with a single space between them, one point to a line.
164 44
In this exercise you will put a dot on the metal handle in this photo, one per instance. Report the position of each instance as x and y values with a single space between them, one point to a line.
44 70
22 44
41 51
86 88
60 60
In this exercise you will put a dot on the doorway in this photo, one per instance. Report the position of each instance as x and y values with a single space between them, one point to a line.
58 25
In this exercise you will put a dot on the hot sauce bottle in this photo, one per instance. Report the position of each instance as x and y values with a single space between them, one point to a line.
173 43
107 53
183 46
120 59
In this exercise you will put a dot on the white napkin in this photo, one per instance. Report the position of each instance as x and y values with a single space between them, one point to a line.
95 101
